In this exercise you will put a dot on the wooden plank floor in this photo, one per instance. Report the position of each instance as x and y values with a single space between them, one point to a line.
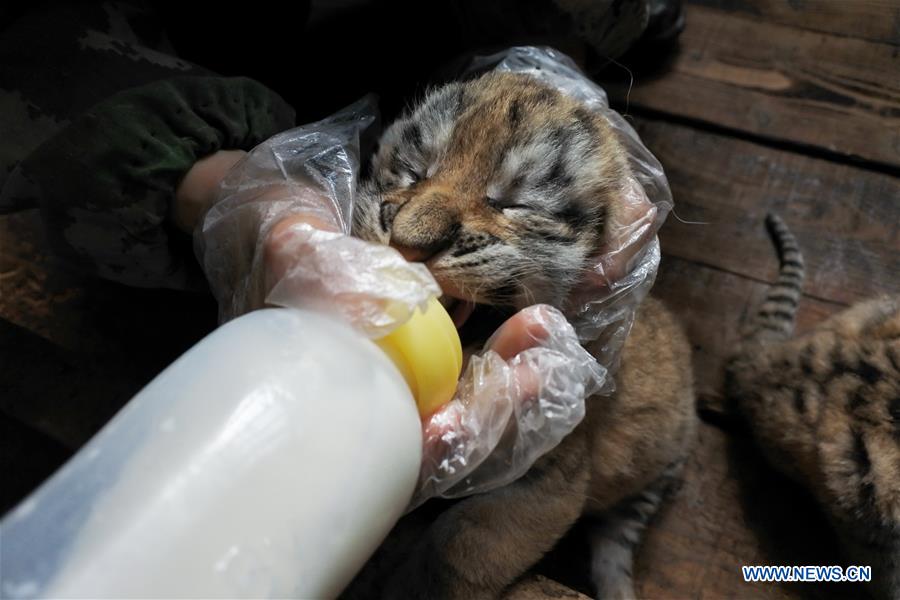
832 91
845 219
791 107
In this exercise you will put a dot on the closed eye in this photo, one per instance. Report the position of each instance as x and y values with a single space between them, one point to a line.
501 204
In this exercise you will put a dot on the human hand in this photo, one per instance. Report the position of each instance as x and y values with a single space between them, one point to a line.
631 227
278 233
310 263
514 402
197 190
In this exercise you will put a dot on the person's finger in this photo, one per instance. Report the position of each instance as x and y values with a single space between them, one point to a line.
528 383
630 231
283 226
196 191
634 207
525 329
443 431
280 248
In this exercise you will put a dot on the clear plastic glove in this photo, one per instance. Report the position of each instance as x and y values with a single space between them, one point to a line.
279 233
515 401
602 306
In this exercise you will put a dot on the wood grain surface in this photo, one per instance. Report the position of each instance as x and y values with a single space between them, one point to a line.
834 91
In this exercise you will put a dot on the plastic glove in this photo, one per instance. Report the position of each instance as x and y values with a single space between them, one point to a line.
515 401
602 306
279 233
284 219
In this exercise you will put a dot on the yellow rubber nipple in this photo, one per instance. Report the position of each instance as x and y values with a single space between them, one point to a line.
428 353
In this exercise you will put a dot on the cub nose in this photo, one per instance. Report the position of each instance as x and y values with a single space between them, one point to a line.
424 226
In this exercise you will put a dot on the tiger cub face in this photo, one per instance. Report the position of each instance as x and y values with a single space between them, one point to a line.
501 185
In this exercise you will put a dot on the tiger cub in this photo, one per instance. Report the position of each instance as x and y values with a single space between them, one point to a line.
825 409
505 189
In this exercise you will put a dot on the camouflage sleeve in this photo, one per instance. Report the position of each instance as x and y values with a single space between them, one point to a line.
105 181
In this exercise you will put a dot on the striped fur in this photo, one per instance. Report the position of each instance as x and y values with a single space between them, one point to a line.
775 318
505 187
825 409
616 467
616 535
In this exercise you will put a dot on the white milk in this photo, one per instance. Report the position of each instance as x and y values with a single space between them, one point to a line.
268 461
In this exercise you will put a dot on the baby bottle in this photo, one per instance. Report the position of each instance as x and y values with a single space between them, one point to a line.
269 460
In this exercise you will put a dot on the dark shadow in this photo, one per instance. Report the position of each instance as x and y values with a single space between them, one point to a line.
569 562
786 520
27 458
645 63
134 335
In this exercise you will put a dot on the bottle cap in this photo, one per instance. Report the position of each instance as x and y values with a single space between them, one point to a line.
428 353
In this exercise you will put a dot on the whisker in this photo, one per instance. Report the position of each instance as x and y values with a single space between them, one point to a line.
675 214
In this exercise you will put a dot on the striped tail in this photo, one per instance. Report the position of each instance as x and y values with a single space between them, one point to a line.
775 318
